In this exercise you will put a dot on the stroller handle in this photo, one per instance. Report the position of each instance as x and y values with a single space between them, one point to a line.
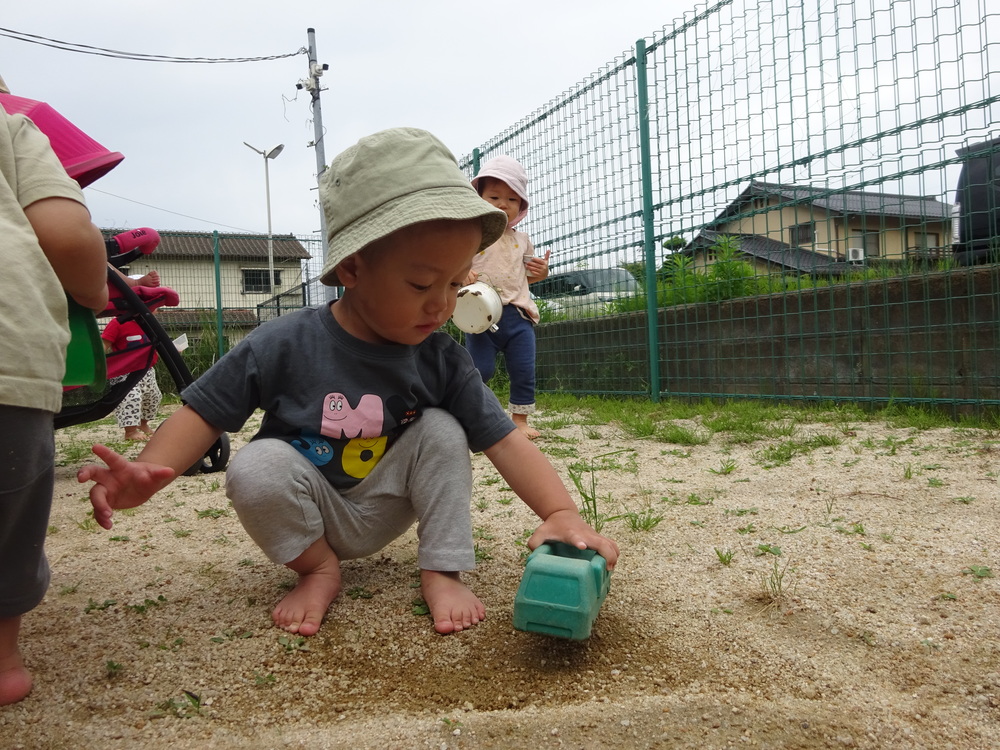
125 247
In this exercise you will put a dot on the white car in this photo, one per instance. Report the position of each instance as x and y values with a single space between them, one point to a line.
585 291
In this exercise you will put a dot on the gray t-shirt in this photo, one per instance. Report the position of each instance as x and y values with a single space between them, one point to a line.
340 401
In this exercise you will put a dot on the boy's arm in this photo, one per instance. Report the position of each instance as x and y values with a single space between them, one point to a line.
175 446
74 248
536 482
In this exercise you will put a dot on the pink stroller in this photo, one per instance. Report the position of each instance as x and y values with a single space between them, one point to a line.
89 398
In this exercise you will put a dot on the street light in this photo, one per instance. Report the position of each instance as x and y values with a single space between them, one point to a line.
271 153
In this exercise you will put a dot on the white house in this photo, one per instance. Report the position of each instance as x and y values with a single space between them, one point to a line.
221 276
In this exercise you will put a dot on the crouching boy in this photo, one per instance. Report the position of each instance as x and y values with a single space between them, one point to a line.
369 411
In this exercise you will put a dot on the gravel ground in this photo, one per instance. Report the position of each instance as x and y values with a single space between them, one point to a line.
858 610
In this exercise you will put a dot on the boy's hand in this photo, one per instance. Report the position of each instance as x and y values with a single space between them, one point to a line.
569 527
123 484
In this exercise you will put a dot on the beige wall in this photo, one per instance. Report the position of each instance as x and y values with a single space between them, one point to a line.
834 233
194 281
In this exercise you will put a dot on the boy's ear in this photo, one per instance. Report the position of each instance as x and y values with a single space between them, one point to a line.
347 271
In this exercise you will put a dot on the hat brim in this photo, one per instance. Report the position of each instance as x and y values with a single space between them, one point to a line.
432 204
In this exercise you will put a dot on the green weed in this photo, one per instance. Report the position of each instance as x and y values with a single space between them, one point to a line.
728 466
293 643
213 513
645 520
979 572
725 555
773 585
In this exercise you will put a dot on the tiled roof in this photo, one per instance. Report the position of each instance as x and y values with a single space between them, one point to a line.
778 253
842 202
200 245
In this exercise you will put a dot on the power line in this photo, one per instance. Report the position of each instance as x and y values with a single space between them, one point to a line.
86 49
166 211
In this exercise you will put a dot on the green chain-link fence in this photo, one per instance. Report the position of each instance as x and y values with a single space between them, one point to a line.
809 186
785 175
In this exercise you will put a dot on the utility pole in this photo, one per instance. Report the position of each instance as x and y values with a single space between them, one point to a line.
311 84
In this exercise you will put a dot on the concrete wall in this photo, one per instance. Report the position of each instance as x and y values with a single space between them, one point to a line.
935 336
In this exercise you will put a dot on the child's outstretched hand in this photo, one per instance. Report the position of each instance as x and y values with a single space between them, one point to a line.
569 527
122 484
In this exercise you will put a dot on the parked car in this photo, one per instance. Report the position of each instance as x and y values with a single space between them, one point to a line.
978 196
586 291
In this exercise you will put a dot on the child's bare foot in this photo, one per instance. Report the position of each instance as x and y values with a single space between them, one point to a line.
15 679
303 608
144 426
134 433
521 420
453 605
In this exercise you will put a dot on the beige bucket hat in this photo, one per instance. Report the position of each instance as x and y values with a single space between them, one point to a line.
391 180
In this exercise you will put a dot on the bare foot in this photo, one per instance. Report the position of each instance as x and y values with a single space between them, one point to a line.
521 420
15 679
303 608
135 434
15 684
453 605
530 432
146 428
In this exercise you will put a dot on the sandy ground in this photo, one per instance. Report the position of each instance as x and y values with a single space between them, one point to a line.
858 610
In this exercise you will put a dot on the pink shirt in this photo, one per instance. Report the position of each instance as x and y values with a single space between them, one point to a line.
501 265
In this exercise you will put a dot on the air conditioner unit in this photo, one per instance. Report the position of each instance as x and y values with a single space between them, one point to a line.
855 255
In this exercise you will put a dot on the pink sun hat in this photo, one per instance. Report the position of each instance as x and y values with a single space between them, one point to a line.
508 170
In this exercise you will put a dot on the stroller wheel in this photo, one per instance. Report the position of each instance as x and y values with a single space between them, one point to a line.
215 458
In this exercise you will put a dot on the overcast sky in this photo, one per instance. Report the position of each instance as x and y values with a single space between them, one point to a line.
464 70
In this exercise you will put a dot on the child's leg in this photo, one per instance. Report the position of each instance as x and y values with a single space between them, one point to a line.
483 350
521 420
287 506
519 356
302 610
128 411
276 493
26 459
428 470
300 520
151 397
15 680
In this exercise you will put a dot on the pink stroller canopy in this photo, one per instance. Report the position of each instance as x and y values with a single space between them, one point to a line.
84 158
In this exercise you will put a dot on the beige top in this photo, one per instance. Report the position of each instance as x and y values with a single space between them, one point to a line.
34 330
501 265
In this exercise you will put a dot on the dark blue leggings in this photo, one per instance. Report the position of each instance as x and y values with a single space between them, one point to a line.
516 339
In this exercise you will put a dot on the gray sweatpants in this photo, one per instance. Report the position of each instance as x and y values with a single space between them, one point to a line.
285 504
27 458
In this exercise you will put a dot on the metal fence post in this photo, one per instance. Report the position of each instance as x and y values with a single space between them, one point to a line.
216 257
649 250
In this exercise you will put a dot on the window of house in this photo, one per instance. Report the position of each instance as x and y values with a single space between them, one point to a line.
869 241
925 240
255 280
802 234
866 240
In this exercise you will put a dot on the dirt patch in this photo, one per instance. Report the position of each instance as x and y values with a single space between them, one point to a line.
158 633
